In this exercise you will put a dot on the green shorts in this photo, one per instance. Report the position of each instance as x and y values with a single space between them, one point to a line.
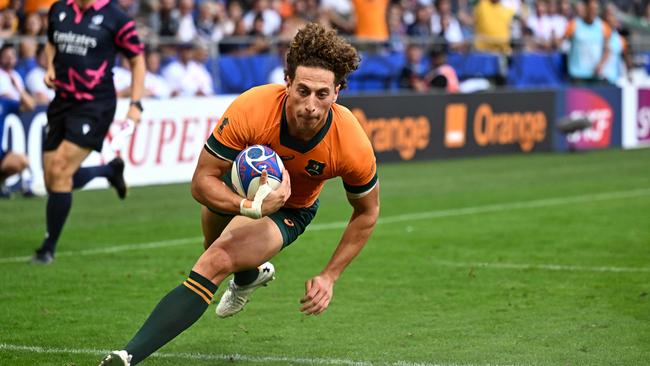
292 222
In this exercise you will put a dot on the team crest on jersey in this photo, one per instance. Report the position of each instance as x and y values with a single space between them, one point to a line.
61 16
97 19
223 125
315 167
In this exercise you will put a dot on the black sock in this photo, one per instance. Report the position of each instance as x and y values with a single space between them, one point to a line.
177 311
56 212
246 277
85 175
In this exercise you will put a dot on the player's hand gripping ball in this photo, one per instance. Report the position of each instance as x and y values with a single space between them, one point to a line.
248 166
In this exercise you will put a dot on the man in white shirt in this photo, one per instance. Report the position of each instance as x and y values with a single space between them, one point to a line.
445 24
541 25
35 80
11 84
272 20
187 77
155 86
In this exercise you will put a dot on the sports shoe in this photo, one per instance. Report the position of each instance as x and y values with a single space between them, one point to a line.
116 358
117 180
42 258
235 297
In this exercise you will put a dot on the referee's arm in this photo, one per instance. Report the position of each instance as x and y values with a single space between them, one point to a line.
137 86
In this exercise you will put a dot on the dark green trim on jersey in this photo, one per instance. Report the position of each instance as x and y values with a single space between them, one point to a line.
361 189
220 149
299 145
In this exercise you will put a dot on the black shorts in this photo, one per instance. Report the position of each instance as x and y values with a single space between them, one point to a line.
292 222
84 123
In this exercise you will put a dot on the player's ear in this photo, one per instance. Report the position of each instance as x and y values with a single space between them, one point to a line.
336 92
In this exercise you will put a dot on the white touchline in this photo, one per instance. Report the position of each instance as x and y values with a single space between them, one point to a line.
382 221
232 357
546 267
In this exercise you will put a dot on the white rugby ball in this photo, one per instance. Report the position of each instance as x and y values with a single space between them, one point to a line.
248 166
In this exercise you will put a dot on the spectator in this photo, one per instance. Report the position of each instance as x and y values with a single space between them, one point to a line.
308 10
412 75
224 25
339 15
155 86
541 26
11 83
421 27
186 77
33 25
205 21
272 20
558 22
27 56
589 37
492 26
8 23
186 28
619 61
396 28
445 25
166 22
370 16
442 75
35 80
10 163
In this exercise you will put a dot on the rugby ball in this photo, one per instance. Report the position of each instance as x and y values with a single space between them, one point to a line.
248 166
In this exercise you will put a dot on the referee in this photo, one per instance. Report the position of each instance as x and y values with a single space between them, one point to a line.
84 37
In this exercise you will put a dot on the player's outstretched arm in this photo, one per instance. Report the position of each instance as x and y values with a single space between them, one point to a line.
138 71
319 289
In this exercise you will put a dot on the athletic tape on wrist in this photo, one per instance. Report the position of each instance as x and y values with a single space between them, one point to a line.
255 211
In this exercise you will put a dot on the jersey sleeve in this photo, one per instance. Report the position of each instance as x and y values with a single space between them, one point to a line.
126 37
50 18
359 172
231 135
361 175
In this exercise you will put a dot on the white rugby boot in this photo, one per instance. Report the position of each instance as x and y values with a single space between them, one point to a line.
116 358
235 297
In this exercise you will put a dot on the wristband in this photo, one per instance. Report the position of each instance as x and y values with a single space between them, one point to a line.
255 211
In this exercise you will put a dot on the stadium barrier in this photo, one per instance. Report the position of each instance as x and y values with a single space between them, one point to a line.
602 106
402 127
636 117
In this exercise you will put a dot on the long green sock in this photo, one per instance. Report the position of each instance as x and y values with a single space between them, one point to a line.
177 311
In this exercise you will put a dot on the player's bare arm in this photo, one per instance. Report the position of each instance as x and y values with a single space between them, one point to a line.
50 75
319 289
209 190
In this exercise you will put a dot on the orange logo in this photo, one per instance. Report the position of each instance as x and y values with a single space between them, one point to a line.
405 135
455 125
289 223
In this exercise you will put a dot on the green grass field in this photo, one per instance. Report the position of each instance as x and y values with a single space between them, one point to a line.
511 260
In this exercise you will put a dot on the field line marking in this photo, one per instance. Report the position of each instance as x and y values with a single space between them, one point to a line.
231 358
548 202
546 267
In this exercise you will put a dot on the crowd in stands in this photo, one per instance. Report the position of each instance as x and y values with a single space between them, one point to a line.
182 35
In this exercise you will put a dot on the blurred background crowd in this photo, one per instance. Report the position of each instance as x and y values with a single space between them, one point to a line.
186 39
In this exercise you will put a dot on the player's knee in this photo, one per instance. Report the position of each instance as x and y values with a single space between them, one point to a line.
59 168
215 263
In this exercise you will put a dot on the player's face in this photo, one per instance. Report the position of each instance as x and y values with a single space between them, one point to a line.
310 96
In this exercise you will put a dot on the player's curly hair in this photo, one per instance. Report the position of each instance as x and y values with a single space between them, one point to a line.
314 46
